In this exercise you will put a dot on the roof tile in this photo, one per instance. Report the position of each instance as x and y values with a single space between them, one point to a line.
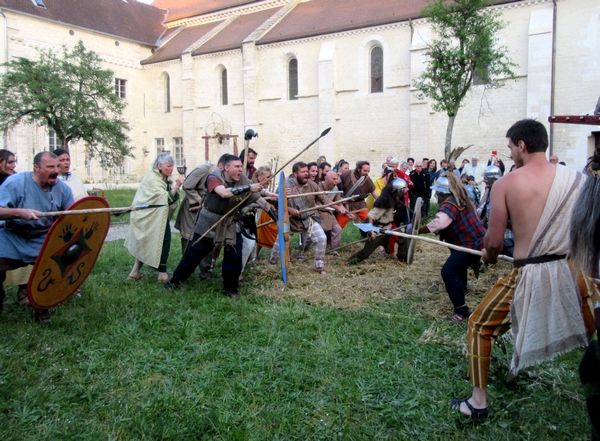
173 48
179 9
131 20
235 33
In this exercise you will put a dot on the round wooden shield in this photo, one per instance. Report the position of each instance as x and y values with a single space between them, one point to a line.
416 224
68 255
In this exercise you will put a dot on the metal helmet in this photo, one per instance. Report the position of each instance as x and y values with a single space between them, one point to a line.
442 185
399 184
491 174
250 134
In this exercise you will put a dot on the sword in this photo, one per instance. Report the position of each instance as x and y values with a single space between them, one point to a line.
370 227
355 186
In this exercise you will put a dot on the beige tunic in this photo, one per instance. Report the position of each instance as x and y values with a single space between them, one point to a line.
546 314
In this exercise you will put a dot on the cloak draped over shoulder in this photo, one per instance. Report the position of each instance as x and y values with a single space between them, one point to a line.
147 227
546 309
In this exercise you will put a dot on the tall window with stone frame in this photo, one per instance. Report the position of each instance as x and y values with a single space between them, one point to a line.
53 140
121 88
224 94
178 143
376 69
160 145
167 93
292 72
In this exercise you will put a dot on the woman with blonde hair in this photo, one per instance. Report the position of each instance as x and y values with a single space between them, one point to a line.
457 223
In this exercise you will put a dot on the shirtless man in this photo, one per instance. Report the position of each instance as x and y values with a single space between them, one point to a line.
539 292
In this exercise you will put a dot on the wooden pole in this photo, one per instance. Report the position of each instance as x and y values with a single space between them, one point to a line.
94 210
292 196
323 133
439 242
318 207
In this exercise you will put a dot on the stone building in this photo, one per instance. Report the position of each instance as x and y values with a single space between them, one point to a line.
196 71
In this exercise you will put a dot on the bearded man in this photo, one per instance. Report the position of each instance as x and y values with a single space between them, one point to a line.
22 197
347 180
302 221
224 190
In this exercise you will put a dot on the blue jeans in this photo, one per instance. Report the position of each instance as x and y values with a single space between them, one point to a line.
232 262
454 273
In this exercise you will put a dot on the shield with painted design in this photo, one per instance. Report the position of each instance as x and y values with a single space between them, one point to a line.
68 255
416 225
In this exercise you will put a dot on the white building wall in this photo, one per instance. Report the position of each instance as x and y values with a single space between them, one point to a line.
577 77
334 92
27 35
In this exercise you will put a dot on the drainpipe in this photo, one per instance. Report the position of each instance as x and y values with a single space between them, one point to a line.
552 78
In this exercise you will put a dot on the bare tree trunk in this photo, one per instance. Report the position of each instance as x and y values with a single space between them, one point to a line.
448 144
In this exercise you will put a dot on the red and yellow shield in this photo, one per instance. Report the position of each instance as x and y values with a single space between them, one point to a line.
68 254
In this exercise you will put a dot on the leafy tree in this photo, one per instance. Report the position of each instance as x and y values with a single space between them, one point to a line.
465 47
71 94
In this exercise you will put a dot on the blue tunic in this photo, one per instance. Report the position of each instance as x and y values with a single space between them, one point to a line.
21 191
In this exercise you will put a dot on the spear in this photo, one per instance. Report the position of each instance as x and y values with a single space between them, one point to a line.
115 210
371 227
318 207
292 196
323 133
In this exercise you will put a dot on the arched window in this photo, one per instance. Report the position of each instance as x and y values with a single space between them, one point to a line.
167 93
293 79
376 69
224 99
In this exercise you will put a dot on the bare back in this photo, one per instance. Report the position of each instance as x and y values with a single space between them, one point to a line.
520 197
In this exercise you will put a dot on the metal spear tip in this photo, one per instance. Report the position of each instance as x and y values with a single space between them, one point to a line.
325 132
144 206
366 227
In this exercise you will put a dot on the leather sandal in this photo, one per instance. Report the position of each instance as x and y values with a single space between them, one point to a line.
475 413
22 298
457 318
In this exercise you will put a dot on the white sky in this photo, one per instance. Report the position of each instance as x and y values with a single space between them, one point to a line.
145 1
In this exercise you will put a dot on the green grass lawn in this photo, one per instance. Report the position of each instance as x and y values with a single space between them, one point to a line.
130 361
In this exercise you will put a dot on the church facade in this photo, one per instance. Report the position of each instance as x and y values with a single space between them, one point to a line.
196 76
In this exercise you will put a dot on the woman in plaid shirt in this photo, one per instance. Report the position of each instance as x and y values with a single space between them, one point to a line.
457 223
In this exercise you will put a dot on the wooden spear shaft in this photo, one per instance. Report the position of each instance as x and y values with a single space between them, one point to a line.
323 133
91 211
318 207
439 242
292 196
